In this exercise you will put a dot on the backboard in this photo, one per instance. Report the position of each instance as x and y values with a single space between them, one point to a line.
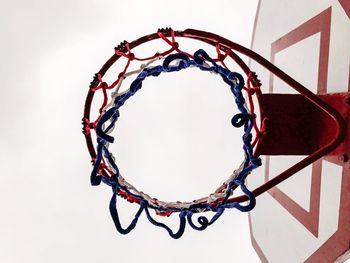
306 218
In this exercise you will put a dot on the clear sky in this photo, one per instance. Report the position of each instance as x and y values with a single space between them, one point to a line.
170 142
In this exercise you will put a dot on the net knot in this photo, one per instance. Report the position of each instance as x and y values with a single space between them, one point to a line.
175 45
104 85
251 91
88 126
221 57
131 56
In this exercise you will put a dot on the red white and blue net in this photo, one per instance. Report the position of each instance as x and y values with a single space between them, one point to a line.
105 164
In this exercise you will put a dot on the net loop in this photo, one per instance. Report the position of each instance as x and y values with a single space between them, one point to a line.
180 57
240 119
203 221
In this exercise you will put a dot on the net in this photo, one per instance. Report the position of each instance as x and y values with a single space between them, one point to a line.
105 168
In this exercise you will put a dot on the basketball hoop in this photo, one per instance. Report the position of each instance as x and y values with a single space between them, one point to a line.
256 139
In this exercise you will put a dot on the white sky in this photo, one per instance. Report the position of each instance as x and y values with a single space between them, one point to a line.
170 141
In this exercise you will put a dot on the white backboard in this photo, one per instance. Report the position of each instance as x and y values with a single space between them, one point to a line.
306 218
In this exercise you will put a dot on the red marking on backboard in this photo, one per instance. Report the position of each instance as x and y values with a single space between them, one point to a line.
255 244
318 24
346 6
338 243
